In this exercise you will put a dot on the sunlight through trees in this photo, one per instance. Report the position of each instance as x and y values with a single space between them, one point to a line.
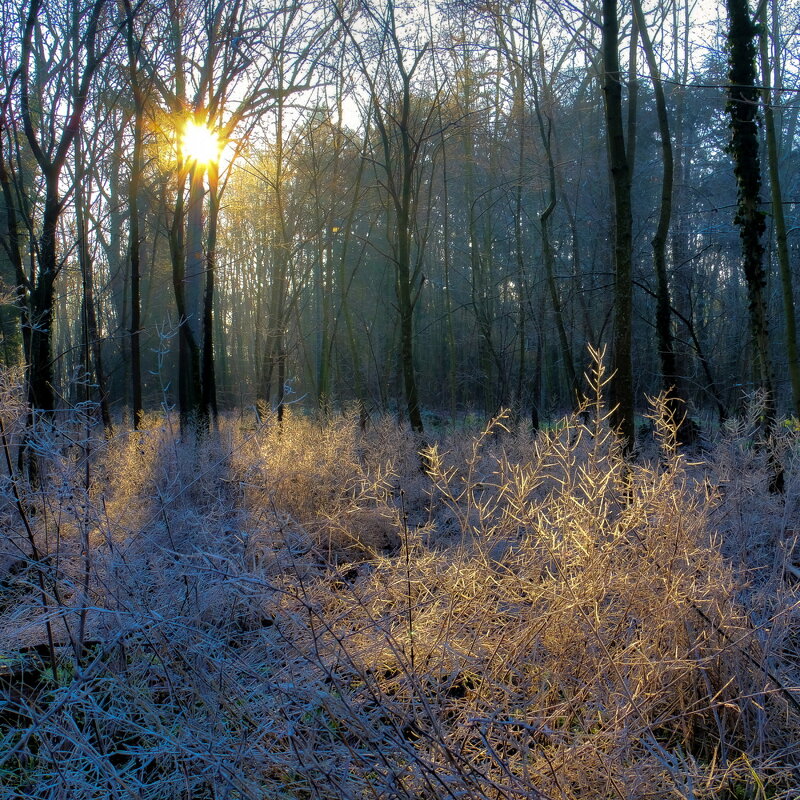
399 399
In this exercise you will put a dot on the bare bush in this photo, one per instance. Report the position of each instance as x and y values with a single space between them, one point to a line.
297 610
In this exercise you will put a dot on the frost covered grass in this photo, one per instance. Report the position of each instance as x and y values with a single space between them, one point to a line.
298 611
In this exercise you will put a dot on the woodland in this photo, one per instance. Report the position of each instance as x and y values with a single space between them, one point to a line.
399 399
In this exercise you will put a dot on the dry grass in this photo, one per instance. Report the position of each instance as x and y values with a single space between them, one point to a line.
297 611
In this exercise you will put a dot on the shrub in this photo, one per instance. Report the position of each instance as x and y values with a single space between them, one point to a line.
297 611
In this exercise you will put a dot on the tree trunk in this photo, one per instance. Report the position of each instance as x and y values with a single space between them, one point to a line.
188 350
406 280
192 318
776 196
136 277
41 392
448 289
12 247
743 100
324 291
209 381
548 256
134 248
622 381
93 348
666 350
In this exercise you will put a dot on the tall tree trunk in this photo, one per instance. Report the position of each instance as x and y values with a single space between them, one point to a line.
344 283
743 100
41 391
188 350
118 267
548 256
406 275
776 196
192 320
323 282
448 289
282 355
666 350
622 381
401 144
12 245
406 304
209 381
134 254
682 137
93 347
134 244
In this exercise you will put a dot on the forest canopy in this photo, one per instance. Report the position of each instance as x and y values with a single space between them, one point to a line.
414 207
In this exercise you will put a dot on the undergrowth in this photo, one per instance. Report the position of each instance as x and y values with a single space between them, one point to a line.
297 611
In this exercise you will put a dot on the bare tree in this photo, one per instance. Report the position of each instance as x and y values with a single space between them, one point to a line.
622 382
666 348
743 96
225 58
776 193
404 136
50 141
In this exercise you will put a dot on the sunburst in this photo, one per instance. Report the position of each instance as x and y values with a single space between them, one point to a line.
200 144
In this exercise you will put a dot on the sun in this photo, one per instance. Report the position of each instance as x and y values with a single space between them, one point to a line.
200 144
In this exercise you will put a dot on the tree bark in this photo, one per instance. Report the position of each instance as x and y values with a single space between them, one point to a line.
209 380
93 359
622 381
666 349
548 256
188 350
193 410
12 244
776 196
400 161
41 389
743 98
134 244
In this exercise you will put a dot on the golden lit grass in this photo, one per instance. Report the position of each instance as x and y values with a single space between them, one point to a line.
561 644
297 611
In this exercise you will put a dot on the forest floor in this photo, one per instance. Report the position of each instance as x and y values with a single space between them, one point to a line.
300 611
